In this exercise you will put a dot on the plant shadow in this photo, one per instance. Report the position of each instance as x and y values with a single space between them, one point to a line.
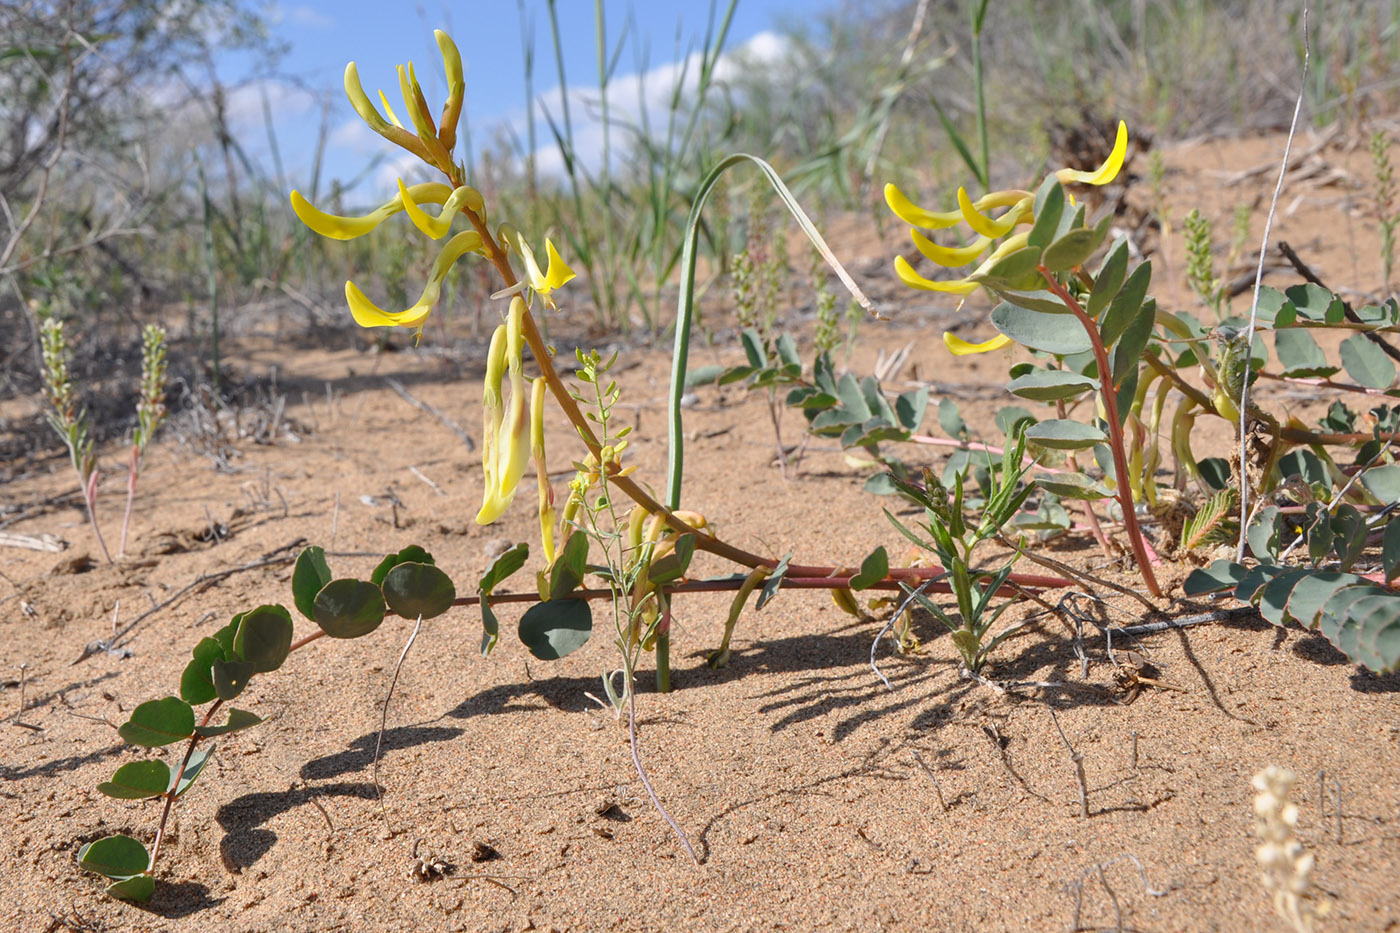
246 839
360 754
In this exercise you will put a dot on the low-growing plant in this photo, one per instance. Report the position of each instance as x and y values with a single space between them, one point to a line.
69 419
951 535
150 414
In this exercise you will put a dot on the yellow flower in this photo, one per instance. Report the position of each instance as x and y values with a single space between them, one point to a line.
347 228
541 283
1020 211
368 314
1104 173
503 461
439 226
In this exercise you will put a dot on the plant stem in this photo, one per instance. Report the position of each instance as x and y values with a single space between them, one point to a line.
641 772
171 793
133 466
89 487
1109 395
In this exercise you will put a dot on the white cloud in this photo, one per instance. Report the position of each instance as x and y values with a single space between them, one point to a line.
244 104
306 16
635 96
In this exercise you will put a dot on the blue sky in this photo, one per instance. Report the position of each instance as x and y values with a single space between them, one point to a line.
324 35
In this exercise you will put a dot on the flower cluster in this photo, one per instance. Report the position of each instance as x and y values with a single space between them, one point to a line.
511 436
1019 211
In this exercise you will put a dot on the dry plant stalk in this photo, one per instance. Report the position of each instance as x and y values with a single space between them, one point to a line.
1287 868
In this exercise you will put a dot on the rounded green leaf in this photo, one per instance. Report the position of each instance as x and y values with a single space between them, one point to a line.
115 857
238 720
873 569
308 577
1060 334
138 888
137 781
1064 434
412 553
1070 250
158 722
197 682
264 637
1311 593
1220 575
1377 620
569 567
1366 362
1048 385
348 608
556 628
1383 482
231 677
1072 486
414 589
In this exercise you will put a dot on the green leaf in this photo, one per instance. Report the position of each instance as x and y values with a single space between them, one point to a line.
1263 534
1300 355
1367 363
1220 575
264 637
1060 334
873 569
1311 594
1070 250
1049 205
1048 385
1127 353
193 768
1041 300
348 608
1064 434
1273 598
238 720
411 554
569 567
1274 310
1336 622
753 347
490 628
1215 471
1303 464
1126 306
1315 303
137 888
1012 271
1072 486
555 628
158 722
231 677
1254 580
308 577
1377 621
909 408
674 565
197 682
115 857
1390 550
1109 279
702 375
772 583
510 560
1350 533
414 590
1383 482
138 780
950 419
1008 419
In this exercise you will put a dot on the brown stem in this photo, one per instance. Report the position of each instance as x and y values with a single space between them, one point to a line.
1120 456
169 795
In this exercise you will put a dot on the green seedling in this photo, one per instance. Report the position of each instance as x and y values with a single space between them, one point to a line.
68 419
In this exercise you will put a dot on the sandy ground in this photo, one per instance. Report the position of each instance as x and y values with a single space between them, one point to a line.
817 798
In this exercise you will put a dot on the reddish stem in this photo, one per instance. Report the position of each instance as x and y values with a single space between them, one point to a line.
1108 392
